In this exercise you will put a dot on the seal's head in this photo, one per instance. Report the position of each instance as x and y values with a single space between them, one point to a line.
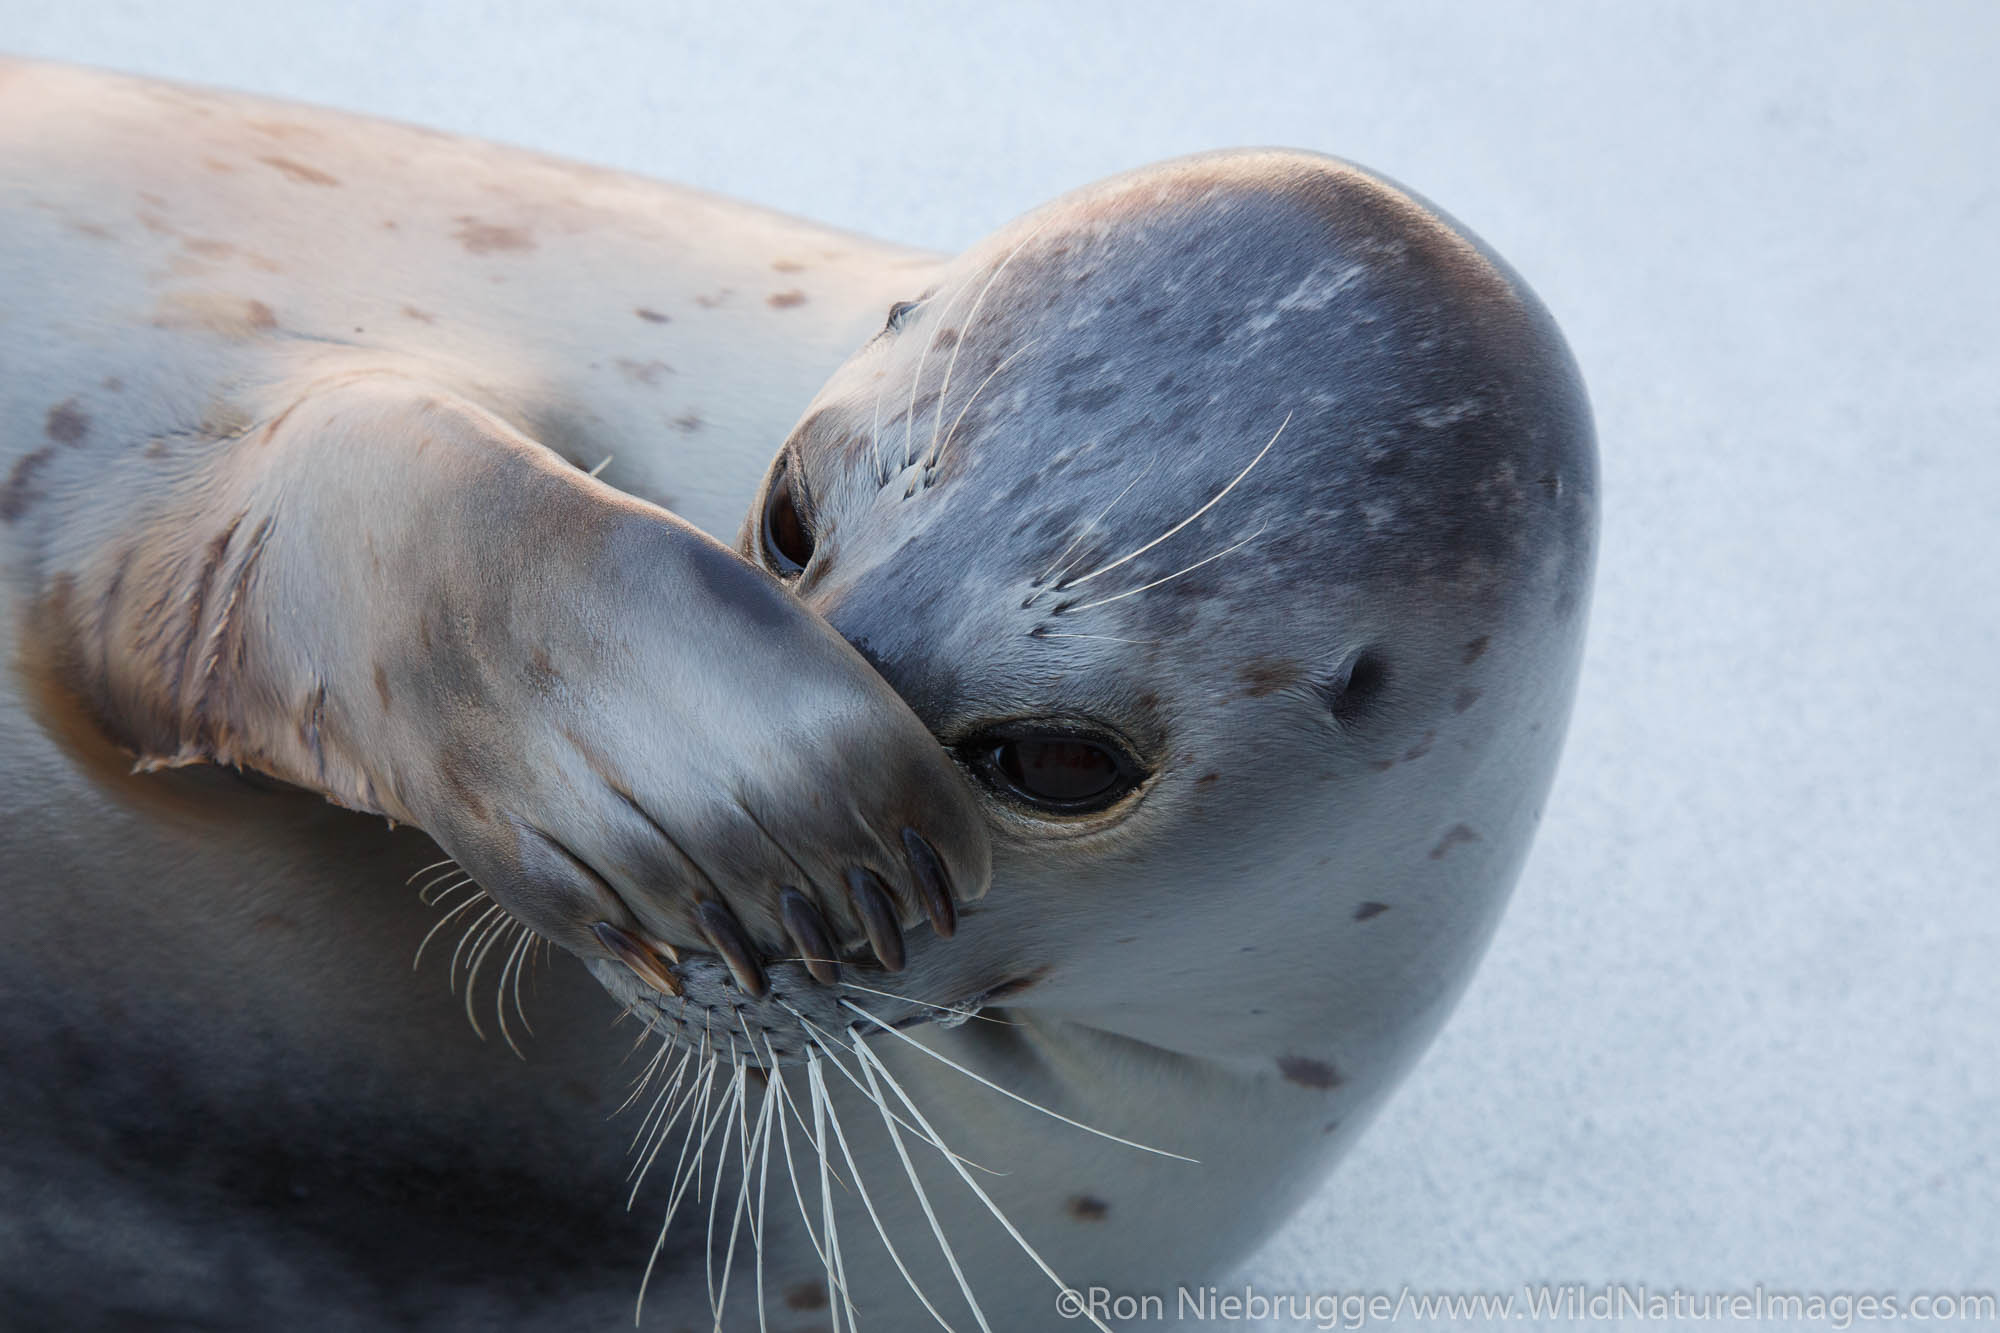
1232 523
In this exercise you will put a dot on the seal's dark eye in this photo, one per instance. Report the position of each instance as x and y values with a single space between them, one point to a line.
1059 772
788 543
898 313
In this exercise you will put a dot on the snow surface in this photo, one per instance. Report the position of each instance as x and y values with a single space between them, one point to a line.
1742 1023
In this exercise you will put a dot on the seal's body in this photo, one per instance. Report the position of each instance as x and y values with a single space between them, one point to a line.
1223 531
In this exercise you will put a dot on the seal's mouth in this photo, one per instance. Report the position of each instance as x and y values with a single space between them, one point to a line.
695 998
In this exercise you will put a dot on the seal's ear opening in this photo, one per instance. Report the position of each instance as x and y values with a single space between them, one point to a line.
788 541
1355 691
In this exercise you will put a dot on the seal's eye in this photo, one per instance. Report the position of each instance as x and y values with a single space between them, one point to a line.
1060 772
898 313
788 542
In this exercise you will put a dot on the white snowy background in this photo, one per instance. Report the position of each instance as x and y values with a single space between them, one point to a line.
1742 1022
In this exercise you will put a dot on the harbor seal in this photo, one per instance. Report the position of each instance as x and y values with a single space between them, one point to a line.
1217 542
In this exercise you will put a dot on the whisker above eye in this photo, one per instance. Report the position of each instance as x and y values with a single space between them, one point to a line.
1146 587
1212 502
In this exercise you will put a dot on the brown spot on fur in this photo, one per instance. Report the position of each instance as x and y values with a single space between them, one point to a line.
1315 1074
785 300
92 230
1206 778
421 316
1331 1126
208 249
1268 675
1088 1208
456 778
806 1296
788 266
19 490
213 312
298 172
218 166
1477 648
1422 747
652 316
382 687
66 423
1453 836
643 372
485 238
711 302
112 384
542 672
689 422
1466 698
1369 911
1381 765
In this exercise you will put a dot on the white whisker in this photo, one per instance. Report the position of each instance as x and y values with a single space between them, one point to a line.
791 1165
718 1296
868 1058
681 1184
511 963
1212 502
470 943
836 1273
965 331
1007 1092
826 1041
479 923
759 1217
639 1086
1108 638
1144 587
493 934
448 861
917 380
953 1010
645 1076
910 1170
453 869
861 1186
704 1077
440 924
938 452
1057 567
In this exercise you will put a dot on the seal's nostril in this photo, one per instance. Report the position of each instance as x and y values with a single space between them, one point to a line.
808 931
933 885
635 955
878 916
725 935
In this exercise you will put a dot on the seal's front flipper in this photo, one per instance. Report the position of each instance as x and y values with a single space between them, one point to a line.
387 594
